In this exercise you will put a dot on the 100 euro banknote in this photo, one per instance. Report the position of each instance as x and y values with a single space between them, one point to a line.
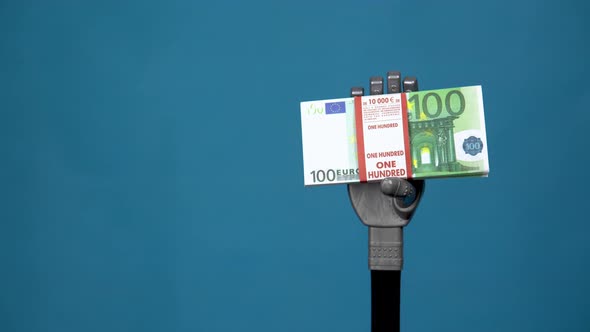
424 134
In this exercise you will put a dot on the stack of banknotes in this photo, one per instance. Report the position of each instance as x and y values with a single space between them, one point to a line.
423 134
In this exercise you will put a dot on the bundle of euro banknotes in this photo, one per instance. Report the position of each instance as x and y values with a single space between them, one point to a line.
423 134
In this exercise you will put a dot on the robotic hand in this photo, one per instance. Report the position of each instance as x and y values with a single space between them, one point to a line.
388 206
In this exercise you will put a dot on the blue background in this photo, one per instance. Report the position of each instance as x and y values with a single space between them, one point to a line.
151 172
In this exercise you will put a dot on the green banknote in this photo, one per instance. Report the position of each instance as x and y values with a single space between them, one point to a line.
425 134
447 132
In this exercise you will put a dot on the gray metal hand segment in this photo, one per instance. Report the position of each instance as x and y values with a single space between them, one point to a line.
390 203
